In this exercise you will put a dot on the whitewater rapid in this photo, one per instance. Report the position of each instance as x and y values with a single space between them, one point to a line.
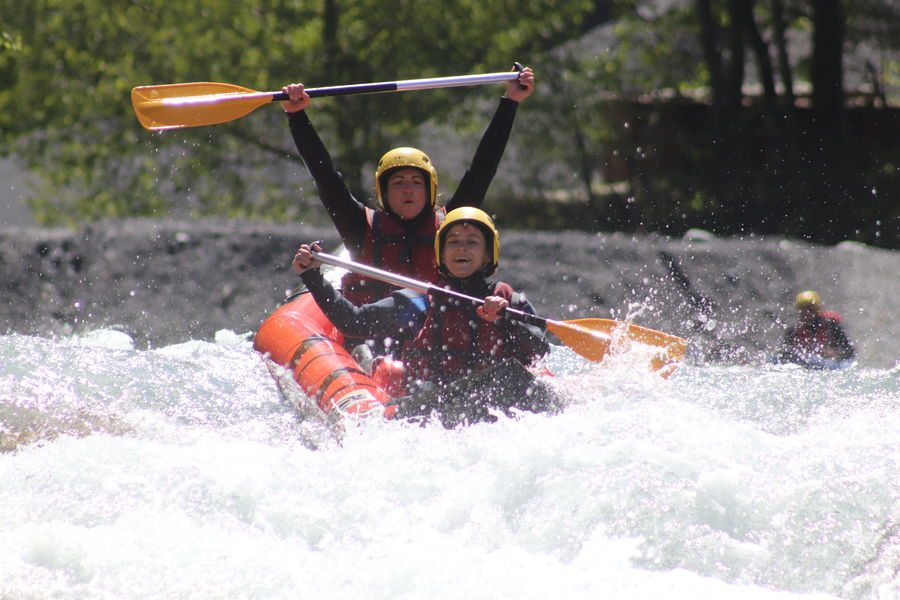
187 471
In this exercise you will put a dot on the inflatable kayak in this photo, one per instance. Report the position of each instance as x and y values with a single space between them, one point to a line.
300 338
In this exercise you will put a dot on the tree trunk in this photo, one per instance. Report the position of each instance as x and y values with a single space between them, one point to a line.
828 107
588 162
827 63
709 40
348 157
580 146
735 77
786 145
784 64
763 60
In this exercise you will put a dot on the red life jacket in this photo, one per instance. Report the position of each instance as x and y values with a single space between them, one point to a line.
454 341
387 245
815 336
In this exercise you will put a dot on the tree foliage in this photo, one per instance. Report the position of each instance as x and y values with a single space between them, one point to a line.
736 115
68 67
730 115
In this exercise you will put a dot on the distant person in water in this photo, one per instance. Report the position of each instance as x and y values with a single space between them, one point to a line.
398 234
818 339
441 339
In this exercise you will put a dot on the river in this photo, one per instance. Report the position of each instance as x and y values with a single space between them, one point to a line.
186 471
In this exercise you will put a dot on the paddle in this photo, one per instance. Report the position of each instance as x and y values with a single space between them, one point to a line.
591 338
175 105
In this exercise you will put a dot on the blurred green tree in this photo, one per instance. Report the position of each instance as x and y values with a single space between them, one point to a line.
67 68
768 116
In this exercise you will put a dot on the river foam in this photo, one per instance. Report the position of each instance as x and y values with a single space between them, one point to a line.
186 471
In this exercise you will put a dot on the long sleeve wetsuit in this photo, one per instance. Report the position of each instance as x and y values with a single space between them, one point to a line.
401 315
348 213
397 316
823 336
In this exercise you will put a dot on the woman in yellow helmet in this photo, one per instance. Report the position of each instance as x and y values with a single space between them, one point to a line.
818 339
398 236
439 339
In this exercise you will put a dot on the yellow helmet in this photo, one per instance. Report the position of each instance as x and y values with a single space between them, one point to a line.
476 216
404 157
809 299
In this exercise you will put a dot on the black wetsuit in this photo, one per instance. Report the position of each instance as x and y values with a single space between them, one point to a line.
400 315
822 336
499 383
348 213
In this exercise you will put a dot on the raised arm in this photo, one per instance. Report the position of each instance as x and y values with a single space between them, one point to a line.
477 179
347 213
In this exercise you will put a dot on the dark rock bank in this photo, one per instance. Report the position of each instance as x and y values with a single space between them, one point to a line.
164 282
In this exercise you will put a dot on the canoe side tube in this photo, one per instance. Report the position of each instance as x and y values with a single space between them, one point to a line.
300 338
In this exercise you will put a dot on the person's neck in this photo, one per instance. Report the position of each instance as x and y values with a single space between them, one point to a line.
409 223
476 281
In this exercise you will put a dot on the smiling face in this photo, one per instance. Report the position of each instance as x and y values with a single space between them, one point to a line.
406 192
464 251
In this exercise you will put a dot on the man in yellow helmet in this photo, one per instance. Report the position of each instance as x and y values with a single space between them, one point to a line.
818 339
398 236
441 339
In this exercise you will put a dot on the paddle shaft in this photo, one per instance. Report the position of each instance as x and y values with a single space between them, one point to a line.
582 337
351 89
407 85
176 105
421 286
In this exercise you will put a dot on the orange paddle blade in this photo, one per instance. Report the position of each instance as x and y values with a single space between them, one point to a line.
643 335
591 338
590 344
175 105
194 104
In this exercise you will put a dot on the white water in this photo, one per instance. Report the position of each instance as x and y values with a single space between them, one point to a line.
184 472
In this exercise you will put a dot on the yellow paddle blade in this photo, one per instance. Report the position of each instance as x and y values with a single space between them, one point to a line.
591 338
175 105
643 335
589 344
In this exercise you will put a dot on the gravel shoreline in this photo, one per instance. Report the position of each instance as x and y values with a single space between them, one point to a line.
165 282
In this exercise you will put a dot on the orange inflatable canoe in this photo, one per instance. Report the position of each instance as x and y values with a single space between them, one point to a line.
300 338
